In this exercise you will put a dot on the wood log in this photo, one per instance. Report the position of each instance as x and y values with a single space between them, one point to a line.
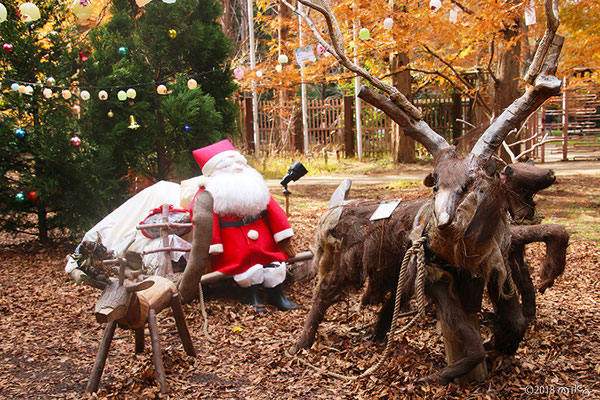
137 313
159 295
182 328
139 340
101 356
156 352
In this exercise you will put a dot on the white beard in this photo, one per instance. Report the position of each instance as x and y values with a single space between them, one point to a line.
242 194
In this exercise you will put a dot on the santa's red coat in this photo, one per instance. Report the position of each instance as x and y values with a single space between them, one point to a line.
234 249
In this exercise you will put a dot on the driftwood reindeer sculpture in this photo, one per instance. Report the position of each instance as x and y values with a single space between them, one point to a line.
132 306
463 228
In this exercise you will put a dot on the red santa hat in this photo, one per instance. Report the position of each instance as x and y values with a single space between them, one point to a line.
208 157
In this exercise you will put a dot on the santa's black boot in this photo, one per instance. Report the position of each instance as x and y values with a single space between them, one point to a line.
277 298
255 299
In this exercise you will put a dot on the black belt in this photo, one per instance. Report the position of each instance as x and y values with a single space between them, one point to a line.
241 222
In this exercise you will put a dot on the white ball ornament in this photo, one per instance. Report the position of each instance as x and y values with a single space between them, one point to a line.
3 13
50 81
161 89
122 95
82 8
15 87
131 93
29 12
283 59
66 94
192 84
47 92
102 95
388 23
28 90
278 68
259 73
21 89
84 95
435 5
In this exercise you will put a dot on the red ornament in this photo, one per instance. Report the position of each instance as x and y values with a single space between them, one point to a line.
82 57
8 47
32 196
75 141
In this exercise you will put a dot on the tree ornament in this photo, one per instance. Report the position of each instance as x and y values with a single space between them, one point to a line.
161 89
82 8
19 197
131 93
172 33
259 73
192 84
29 12
47 92
435 5
388 23
50 81
122 95
238 73
28 90
21 89
123 51
321 50
8 47
283 59
169 1
15 87
20 133
187 128
102 95
364 34
3 13
278 68
75 141
82 57
66 94
32 196
142 3
110 114
84 95
132 123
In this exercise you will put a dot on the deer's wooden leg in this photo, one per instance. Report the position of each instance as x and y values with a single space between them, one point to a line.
182 328
139 340
98 368
156 356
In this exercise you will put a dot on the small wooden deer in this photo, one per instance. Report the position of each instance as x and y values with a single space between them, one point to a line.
132 306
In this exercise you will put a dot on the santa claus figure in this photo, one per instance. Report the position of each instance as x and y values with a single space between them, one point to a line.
251 234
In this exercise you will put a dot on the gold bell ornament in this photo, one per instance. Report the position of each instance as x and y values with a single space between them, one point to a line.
132 124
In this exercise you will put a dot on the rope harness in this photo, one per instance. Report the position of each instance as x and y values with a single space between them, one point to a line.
417 249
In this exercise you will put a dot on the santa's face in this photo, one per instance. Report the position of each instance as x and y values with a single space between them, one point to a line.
237 189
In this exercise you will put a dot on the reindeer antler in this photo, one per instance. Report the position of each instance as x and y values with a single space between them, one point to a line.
541 71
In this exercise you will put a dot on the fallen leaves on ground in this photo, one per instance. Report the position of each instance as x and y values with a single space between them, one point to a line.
49 337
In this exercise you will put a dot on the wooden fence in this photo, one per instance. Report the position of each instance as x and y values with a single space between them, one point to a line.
330 129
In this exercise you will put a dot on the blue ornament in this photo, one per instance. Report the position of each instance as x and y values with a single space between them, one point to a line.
19 197
20 133
123 51
187 128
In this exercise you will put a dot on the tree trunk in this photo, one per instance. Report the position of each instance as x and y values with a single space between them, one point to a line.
403 147
42 223
508 74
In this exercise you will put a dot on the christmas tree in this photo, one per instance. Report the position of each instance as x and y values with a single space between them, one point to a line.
50 181
178 48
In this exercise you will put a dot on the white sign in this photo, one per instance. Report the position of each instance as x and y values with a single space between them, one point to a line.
304 55
385 210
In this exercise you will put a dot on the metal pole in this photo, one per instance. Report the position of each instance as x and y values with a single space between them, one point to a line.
303 90
252 67
357 100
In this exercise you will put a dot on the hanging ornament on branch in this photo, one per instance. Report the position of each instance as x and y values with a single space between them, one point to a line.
82 8
192 84
8 47
29 12
435 5
102 95
388 23
238 73
20 133
75 141
19 197
84 95
172 33
364 34
3 13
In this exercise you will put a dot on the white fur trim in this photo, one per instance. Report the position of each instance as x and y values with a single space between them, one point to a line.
252 276
210 165
188 189
215 249
284 234
274 276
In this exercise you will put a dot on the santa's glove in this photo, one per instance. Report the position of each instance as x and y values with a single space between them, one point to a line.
287 247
